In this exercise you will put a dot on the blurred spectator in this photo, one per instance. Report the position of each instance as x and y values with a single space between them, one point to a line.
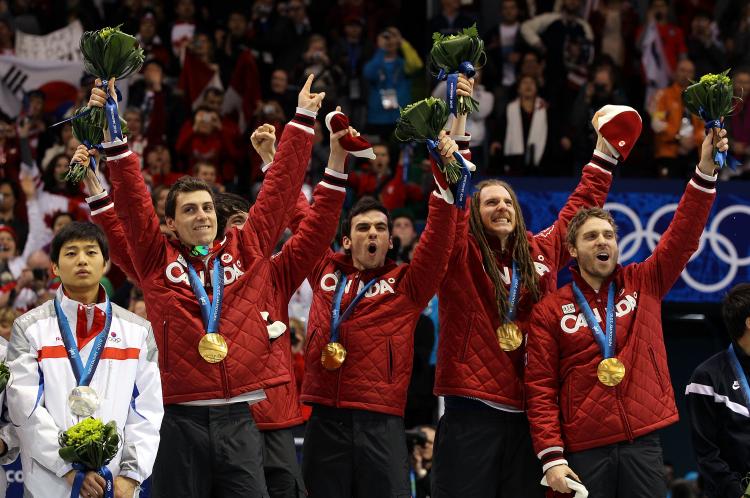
404 235
329 77
231 44
450 20
207 172
683 488
614 24
10 154
290 34
150 41
9 213
183 29
671 36
421 461
159 199
7 317
703 45
739 125
677 133
503 46
281 93
136 140
387 74
384 182
527 130
202 139
199 71
158 168
566 40
739 42
350 53
213 99
162 110
7 44
59 145
33 112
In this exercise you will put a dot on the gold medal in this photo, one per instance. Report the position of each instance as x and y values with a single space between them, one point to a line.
213 348
333 356
509 336
610 371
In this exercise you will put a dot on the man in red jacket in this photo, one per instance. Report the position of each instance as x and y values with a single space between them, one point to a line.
498 271
215 355
597 379
360 343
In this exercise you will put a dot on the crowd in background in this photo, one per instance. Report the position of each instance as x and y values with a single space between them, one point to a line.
216 70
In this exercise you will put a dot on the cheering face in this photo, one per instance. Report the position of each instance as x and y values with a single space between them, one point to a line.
497 210
195 218
596 248
80 265
7 246
369 240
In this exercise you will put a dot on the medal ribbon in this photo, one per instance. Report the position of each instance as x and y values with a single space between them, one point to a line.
461 188
336 317
109 487
515 284
210 311
740 373
451 83
720 158
82 374
606 341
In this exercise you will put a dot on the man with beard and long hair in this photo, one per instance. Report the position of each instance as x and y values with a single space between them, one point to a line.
497 272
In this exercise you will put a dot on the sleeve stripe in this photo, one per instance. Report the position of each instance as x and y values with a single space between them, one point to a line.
606 157
109 206
702 189
601 163
304 128
331 172
553 463
96 197
332 180
119 156
548 450
701 180
334 187
718 398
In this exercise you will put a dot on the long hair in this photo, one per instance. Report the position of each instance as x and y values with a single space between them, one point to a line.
521 251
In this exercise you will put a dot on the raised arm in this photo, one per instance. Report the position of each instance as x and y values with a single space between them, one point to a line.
678 243
280 188
135 210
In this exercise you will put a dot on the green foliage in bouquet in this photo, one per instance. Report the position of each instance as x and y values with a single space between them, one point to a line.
4 375
110 53
90 443
449 52
88 129
711 97
422 121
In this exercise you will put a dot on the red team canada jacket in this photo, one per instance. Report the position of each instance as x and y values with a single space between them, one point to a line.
567 405
379 334
470 361
253 361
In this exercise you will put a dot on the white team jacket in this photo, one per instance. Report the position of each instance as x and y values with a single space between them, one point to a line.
126 380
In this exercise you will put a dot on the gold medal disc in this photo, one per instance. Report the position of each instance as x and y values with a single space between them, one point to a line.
333 356
509 336
213 348
610 371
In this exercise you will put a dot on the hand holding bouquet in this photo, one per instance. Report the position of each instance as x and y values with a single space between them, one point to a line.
453 54
423 121
712 99
90 445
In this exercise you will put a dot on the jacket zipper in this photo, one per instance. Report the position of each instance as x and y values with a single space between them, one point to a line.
390 361
165 345
224 379
355 285
623 415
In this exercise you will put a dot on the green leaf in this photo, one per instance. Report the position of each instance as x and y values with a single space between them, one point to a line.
110 53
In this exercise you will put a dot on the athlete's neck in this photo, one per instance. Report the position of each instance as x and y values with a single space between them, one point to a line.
744 342
504 241
83 296
594 281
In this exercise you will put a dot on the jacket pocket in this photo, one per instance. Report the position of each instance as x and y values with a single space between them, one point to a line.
389 348
656 369
309 340
165 346
467 337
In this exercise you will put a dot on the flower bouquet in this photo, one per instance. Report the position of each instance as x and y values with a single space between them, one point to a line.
90 445
454 54
107 53
423 121
4 375
712 98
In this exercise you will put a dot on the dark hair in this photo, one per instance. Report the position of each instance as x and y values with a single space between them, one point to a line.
362 206
228 204
735 309
184 185
13 186
59 214
78 230
50 182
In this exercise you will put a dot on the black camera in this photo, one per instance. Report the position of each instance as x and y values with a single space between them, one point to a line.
415 437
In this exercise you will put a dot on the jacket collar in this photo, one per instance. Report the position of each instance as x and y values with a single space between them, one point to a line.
344 263
586 288
196 260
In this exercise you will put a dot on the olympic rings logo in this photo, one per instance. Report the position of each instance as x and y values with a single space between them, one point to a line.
721 246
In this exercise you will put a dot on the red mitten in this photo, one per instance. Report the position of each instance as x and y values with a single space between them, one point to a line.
620 126
356 146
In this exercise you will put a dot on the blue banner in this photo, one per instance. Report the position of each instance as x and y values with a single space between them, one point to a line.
643 210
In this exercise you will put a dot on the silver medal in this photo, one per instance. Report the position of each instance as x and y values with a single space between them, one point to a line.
83 401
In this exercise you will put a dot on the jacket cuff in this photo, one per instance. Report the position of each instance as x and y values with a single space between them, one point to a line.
99 203
304 120
132 475
552 457
64 470
602 161
704 182
334 180
266 167
116 149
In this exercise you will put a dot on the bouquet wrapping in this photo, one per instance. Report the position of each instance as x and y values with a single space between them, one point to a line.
453 54
712 98
90 445
4 376
423 121
107 53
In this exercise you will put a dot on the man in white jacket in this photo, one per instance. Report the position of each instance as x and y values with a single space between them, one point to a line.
123 385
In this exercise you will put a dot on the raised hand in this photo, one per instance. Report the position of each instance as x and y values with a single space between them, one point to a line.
308 100
715 140
556 478
446 146
263 140
465 87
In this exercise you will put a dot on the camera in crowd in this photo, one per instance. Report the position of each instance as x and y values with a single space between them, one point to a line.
414 438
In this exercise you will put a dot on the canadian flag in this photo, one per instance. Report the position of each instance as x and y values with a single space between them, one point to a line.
196 78
58 80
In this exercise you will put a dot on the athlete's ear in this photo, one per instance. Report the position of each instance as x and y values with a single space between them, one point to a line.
573 251
390 242
346 243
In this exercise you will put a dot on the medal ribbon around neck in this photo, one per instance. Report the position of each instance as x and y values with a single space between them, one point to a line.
734 361
515 284
605 340
83 374
210 311
336 317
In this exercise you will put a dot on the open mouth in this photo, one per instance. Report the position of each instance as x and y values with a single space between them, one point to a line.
602 256
372 247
